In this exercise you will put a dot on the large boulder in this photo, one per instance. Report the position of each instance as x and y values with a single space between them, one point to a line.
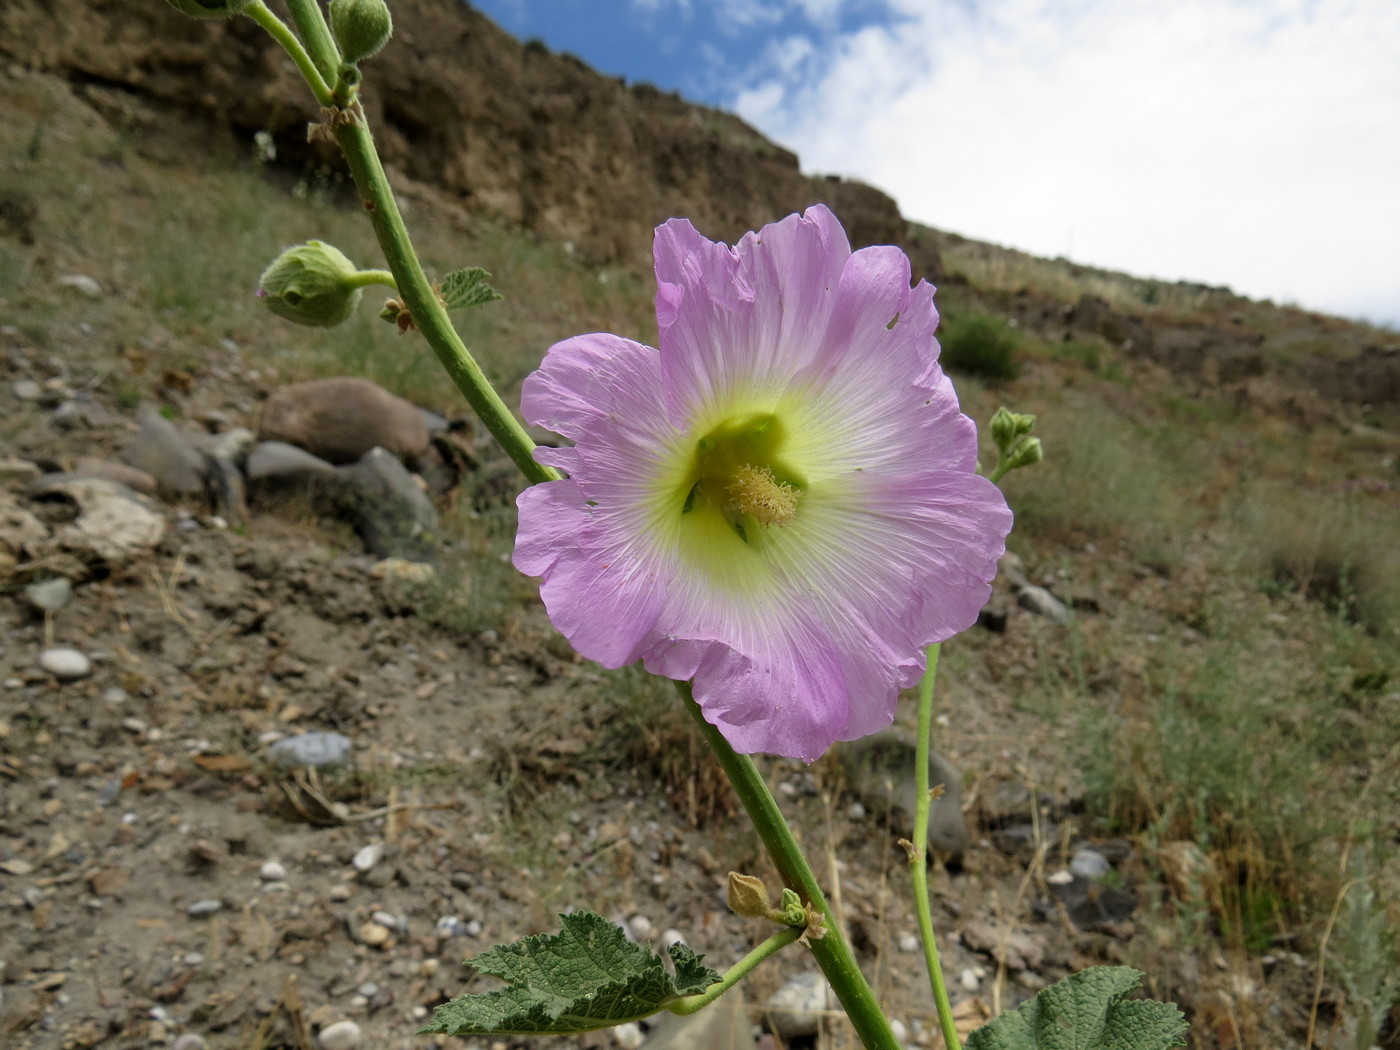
340 419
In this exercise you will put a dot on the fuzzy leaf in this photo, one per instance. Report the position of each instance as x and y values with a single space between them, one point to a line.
467 287
1086 1011
587 976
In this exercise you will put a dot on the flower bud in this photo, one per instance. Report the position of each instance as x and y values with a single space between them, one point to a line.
1008 426
1028 453
311 283
210 8
748 896
360 27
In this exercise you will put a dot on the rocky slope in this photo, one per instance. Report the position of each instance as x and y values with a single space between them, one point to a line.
505 128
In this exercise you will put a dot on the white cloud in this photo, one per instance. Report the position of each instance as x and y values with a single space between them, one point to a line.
1254 143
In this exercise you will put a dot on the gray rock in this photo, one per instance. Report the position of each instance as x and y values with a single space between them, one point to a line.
169 455
342 1035
1089 864
189 1041
121 473
114 525
48 595
12 468
1041 602
65 664
1011 569
388 508
367 857
627 1036
279 463
203 909
82 284
310 749
880 771
27 390
233 445
796 1008
342 418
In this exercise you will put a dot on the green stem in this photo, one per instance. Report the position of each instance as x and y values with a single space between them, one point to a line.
832 952
736 973
419 296
918 854
1000 472
365 278
278 30
311 24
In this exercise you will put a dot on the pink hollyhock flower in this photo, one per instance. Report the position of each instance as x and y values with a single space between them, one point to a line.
779 504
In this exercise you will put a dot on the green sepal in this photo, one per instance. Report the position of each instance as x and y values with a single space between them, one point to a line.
467 287
587 976
1086 1011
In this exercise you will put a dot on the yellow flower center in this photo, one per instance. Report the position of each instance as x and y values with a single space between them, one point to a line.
757 493
738 472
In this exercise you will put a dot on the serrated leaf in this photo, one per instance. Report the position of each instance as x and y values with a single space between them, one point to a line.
467 287
1086 1011
587 976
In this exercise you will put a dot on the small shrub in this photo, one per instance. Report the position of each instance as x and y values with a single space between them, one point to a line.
982 346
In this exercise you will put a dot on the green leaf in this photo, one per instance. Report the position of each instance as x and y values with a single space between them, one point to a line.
1086 1011
467 287
587 976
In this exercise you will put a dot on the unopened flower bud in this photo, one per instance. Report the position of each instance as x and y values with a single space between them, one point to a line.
1028 453
312 283
360 27
1008 426
210 8
748 896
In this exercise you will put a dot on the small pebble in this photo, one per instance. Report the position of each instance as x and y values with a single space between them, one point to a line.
272 871
368 857
385 919
310 749
855 811
369 990
82 283
200 909
449 926
27 390
908 942
373 934
968 980
189 1041
65 664
901 1033
627 1036
343 1035
670 937
640 927
340 891
115 695
1089 864
49 595
1063 877
473 928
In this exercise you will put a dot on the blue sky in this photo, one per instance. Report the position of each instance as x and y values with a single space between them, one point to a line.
1250 143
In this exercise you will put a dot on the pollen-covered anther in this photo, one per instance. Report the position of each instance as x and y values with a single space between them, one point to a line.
757 493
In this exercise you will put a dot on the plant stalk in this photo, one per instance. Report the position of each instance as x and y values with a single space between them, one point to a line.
736 973
419 295
832 952
277 29
918 854
311 24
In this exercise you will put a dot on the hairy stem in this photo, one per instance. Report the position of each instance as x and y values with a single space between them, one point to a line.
736 973
918 854
418 294
365 278
832 952
311 24
277 29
